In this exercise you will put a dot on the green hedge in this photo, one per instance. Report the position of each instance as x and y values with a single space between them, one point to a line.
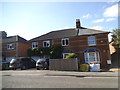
55 52
72 55
84 68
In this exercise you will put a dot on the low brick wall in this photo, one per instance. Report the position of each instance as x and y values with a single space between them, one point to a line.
63 64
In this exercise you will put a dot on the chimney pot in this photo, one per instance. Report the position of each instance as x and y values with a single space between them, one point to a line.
78 25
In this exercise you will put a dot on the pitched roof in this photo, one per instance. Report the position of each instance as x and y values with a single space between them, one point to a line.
89 31
67 33
56 34
12 39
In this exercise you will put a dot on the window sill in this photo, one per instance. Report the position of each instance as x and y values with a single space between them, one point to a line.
92 45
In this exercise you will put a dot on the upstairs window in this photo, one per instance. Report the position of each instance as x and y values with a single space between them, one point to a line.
34 45
10 46
46 43
65 42
91 40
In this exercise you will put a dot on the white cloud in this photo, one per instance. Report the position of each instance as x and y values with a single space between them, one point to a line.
112 1
98 20
97 27
86 16
110 19
111 11
104 20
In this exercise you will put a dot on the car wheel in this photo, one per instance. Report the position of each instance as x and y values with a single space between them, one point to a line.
14 69
42 68
37 68
23 68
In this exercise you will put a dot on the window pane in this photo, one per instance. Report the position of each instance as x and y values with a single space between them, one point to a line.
66 42
63 42
7 46
86 57
46 44
91 40
34 44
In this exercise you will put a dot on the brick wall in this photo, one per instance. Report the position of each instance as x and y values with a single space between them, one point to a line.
79 43
63 64
20 48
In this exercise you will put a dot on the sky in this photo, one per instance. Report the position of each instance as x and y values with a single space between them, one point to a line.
32 19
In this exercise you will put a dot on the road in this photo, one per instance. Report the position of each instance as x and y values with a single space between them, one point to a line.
57 79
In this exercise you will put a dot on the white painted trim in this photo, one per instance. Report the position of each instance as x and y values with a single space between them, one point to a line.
11 44
34 43
48 41
64 55
92 40
65 42
95 56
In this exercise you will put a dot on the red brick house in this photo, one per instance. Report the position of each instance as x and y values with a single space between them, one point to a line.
13 46
90 45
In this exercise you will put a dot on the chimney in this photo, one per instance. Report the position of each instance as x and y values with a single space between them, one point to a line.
78 25
3 34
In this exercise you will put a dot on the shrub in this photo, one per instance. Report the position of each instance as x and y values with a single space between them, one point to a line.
72 55
55 52
84 68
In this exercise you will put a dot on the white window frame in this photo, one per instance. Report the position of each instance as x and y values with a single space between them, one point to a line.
65 41
34 44
89 40
65 55
10 46
87 56
48 41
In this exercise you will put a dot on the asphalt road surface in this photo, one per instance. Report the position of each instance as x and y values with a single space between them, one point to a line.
56 79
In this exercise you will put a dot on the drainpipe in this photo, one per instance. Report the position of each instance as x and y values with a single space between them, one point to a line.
16 46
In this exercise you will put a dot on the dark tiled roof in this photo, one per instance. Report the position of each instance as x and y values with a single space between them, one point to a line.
12 39
67 33
56 34
90 31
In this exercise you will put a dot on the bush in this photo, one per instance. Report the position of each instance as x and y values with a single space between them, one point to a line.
54 52
84 68
72 55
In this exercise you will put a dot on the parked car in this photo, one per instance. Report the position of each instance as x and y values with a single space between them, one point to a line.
22 63
5 65
42 64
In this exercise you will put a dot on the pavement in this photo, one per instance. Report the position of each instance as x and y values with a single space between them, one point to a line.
61 73
83 74
114 70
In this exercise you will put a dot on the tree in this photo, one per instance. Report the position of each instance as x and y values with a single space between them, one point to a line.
116 38
54 52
